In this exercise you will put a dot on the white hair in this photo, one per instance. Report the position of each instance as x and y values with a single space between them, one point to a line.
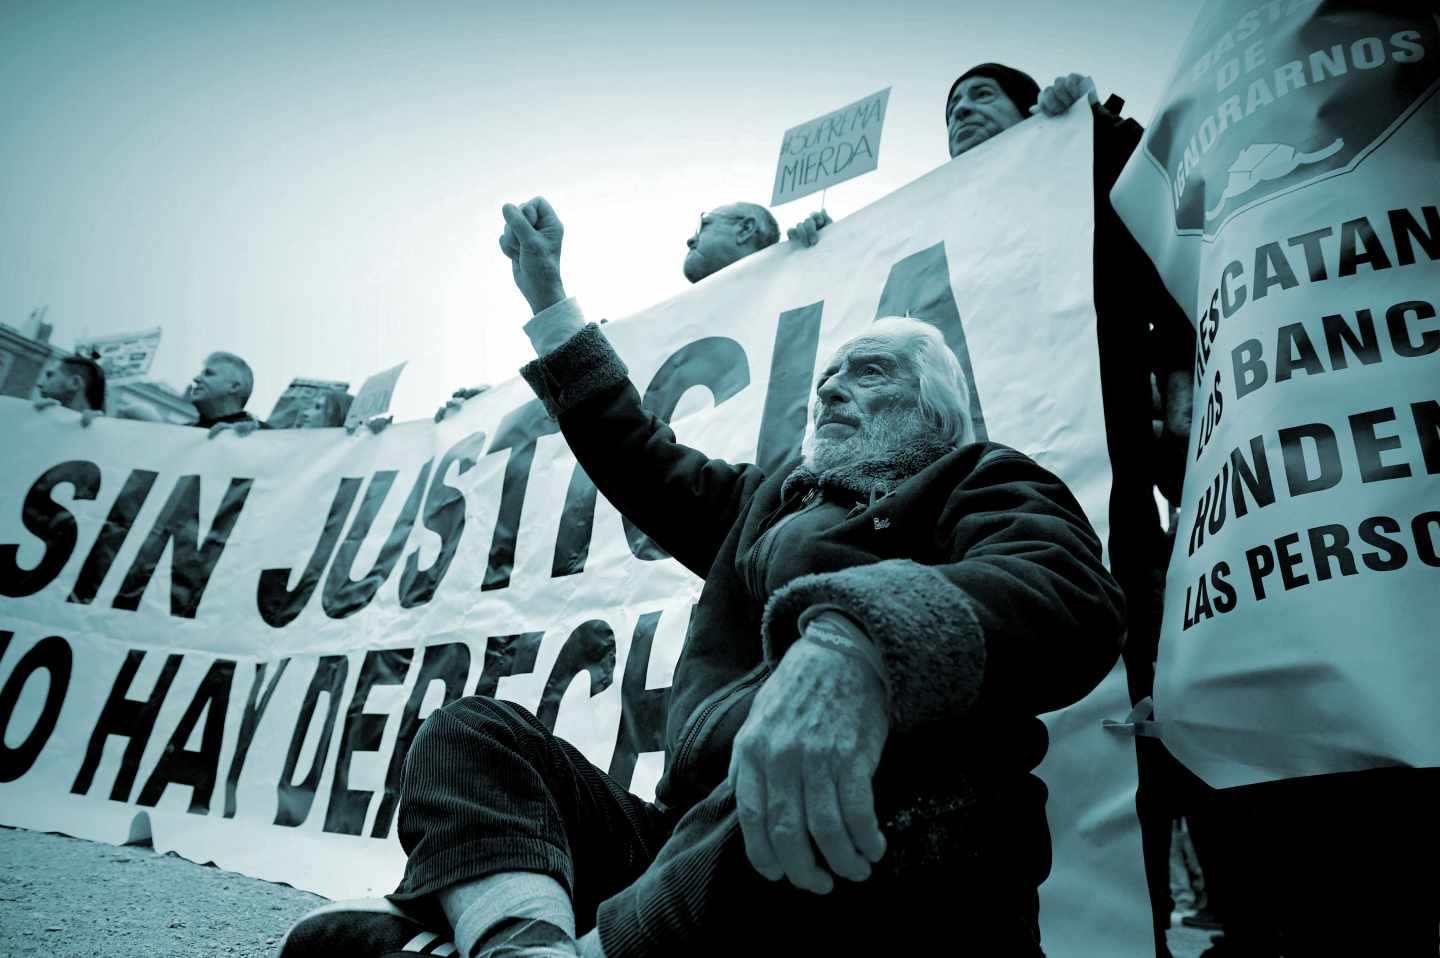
240 368
944 388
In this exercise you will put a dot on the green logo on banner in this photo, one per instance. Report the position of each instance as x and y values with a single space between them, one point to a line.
1273 96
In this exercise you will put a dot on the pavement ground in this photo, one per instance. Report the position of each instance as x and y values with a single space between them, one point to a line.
63 897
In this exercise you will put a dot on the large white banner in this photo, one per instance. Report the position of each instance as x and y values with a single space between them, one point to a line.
1289 191
240 636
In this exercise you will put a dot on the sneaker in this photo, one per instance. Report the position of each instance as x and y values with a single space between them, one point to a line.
363 928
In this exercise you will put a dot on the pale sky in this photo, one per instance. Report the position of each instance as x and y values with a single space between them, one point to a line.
317 186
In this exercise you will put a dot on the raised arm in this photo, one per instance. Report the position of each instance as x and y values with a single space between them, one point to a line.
678 496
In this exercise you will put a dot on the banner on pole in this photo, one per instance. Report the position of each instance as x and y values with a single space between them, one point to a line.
1288 193
374 395
125 357
240 637
830 149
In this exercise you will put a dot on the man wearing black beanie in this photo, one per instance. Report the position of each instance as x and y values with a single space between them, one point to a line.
1141 332
986 100
1019 86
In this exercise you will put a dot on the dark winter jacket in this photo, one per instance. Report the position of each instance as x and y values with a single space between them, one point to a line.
1140 330
973 570
205 422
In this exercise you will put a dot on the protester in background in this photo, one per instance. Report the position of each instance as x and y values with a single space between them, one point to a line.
75 382
1187 881
325 411
220 391
900 590
328 409
726 235
1142 334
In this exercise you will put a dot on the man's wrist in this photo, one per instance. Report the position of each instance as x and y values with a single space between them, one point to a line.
550 328
547 295
830 628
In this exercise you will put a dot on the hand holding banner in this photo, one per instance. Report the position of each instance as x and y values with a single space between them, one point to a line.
374 396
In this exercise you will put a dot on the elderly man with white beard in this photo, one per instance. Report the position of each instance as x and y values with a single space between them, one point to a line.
852 725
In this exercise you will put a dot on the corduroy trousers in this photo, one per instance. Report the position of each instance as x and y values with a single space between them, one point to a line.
489 789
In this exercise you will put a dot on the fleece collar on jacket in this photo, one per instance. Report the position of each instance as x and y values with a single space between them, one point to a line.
867 479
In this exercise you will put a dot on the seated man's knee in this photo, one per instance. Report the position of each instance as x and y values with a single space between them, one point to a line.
466 727
464 755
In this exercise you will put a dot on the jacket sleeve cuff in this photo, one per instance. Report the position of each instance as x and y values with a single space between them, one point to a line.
929 638
551 327
831 628
581 367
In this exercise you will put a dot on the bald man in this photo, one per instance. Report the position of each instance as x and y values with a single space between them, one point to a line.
728 234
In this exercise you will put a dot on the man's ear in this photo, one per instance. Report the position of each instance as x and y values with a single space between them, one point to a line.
745 230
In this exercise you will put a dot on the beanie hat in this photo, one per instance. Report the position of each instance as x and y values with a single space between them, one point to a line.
1019 87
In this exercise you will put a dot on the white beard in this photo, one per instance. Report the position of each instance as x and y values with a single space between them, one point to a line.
887 433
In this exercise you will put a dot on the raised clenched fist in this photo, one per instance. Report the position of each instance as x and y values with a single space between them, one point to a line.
532 238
